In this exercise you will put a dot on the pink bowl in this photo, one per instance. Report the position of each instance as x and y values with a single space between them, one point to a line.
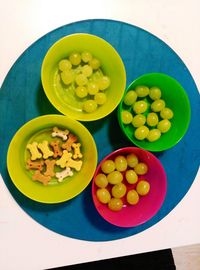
148 206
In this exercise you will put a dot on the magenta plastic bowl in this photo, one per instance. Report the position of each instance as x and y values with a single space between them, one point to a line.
148 206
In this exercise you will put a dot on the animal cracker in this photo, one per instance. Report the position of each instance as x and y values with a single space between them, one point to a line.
77 152
50 167
33 148
34 165
65 173
60 133
74 164
64 159
68 144
44 148
38 176
56 149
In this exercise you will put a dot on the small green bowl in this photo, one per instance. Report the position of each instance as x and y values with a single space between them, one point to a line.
66 101
37 130
175 98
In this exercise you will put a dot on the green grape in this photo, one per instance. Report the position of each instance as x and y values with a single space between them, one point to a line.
86 56
142 90
118 190
138 120
164 125
155 93
152 119
104 83
81 91
154 135
141 168
100 98
130 98
126 117
132 197
89 106
75 58
140 106
97 74
115 204
64 65
108 166
166 113
115 177
87 70
81 79
103 195
101 180
158 105
132 160
131 176
67 77
141 133
94 63
93 88
143 187
120 163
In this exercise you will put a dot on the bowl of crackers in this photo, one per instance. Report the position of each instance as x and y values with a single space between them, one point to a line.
52 158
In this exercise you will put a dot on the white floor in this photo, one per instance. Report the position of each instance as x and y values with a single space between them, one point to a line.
187 258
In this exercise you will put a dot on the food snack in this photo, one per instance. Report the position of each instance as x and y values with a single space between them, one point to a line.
63 174
34 165
147 112
74 164
38 176
77 152
121 181
50 167
44 148
60 133
115 204
62 162
47 161
33 148
81 74
56 149
70 140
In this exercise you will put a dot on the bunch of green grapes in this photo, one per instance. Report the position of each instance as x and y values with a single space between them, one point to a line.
147 113
84 73
119 180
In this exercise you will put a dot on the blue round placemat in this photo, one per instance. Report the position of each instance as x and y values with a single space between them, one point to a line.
22 98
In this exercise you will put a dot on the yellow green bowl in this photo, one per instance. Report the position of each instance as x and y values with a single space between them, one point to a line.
175 98
39 129
65 100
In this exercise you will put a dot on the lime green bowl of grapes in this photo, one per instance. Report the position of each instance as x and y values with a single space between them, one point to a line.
83 76
154 112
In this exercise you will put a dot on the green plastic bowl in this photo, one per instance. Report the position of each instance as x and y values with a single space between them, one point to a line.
66 101
39 129
175 98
